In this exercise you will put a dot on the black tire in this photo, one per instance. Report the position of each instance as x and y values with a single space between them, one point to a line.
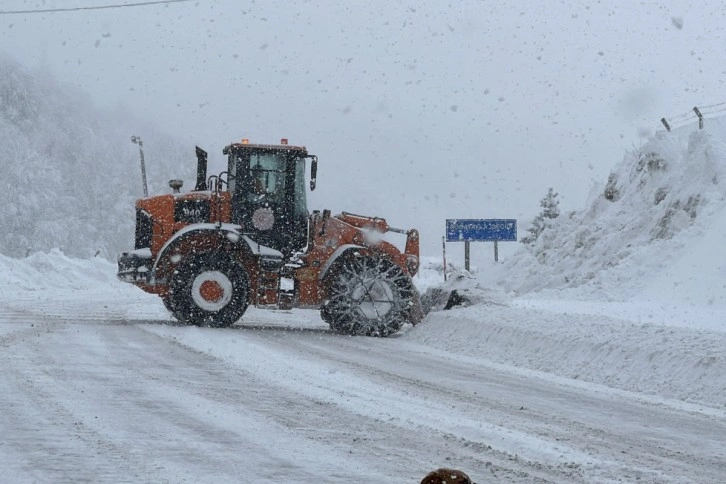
368 296
209 290
168 305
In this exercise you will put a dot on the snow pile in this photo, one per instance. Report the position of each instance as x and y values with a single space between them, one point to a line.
673 350
54 270
658 201
54 285
70 175
436 293
646 356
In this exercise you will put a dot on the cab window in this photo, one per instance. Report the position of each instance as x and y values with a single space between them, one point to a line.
267 177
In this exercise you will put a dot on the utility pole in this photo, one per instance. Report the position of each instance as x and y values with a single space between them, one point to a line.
137 140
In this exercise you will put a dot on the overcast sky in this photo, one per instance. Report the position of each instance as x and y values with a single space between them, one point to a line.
419 111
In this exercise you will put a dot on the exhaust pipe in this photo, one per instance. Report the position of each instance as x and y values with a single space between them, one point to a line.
137 140
201 170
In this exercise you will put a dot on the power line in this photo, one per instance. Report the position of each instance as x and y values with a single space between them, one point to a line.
713 105
97 7
705 110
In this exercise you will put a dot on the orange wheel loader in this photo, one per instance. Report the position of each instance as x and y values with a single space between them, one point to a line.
245 237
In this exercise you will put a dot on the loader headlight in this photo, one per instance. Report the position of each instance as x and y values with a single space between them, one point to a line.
412 264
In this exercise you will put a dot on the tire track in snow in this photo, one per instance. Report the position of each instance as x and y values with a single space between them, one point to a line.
640 431
41 434
414 441
632 438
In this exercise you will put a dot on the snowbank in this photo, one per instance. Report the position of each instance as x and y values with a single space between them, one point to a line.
648 358
56 286
53 270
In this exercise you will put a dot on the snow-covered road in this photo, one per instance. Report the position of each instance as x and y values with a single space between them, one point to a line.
102 387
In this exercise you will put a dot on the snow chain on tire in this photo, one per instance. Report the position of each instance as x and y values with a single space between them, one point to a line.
368 296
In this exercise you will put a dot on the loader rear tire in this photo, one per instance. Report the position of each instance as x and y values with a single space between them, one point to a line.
367 296
209 290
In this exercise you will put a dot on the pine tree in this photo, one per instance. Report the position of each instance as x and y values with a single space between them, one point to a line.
550 205
550 210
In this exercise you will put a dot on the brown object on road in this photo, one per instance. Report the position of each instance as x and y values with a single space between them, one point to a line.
446 476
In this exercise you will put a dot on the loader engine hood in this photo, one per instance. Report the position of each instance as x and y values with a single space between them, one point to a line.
160 216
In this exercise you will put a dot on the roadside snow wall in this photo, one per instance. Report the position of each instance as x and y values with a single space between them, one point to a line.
641 215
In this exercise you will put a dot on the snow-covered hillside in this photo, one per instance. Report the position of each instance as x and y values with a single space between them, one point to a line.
655 229
70 172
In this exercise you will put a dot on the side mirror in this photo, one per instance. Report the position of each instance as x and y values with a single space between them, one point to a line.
313 172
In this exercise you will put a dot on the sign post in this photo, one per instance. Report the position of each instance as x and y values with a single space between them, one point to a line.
466 254
480 230
443 244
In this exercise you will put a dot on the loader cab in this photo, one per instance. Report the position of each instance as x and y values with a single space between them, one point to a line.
267 186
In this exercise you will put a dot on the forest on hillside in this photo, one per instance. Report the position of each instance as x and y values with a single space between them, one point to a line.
70 171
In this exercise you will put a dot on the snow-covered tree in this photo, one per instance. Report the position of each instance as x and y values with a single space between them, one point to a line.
70 172
550 211
550 205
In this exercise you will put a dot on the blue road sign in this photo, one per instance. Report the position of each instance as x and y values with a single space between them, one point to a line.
481 230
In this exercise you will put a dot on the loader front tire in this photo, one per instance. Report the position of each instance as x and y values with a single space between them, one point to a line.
367 295
209 290
169 307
